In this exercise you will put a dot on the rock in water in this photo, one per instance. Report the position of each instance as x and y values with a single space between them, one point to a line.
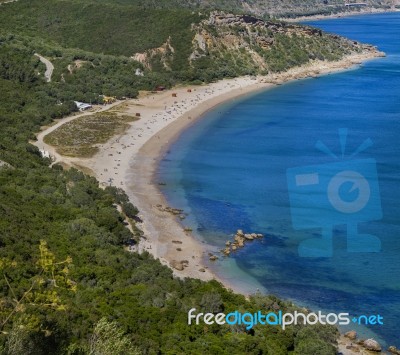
227 251
372 345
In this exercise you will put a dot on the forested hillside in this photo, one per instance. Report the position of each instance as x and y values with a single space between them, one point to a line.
67 285
95 49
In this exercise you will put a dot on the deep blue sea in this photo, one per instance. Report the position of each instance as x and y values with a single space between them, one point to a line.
228 171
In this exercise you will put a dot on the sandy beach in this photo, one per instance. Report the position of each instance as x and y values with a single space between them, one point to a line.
130 160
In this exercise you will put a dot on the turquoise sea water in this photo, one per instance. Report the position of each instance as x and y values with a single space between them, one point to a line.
229 172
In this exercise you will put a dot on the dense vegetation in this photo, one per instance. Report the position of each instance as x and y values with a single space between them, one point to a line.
93 27
92 51
67 285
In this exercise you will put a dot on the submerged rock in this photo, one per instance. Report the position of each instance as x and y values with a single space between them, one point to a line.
226 251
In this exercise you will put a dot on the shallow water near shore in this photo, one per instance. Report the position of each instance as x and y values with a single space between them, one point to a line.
228 171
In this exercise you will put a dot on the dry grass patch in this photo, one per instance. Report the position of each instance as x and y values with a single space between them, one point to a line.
82 136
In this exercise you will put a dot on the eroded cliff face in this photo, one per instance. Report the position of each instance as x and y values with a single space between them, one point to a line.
164 54
243 37
246 44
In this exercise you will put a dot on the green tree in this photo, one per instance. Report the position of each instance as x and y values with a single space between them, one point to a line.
43 290
109 339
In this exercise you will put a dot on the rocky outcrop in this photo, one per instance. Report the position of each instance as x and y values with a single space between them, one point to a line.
165 53
250 39
4 164
179 265
175 211
239 240
218 18
394 350
242 44
371 345
352 335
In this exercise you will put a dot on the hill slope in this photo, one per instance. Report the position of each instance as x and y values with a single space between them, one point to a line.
177 44
228 45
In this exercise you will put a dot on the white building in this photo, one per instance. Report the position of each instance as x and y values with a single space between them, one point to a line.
82 106
44 153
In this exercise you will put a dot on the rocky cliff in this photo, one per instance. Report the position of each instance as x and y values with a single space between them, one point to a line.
243 44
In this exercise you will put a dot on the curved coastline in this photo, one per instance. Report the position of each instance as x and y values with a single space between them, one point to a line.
161 227
130 160
133 157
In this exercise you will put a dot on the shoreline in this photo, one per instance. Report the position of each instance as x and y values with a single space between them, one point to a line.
130 160
338 15
147 161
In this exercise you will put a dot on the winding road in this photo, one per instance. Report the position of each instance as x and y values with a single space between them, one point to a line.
49 67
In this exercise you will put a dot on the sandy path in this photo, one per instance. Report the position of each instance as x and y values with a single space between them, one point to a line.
49 67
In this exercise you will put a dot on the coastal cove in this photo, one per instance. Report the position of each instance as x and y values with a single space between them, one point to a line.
228 172
132 160
151 157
